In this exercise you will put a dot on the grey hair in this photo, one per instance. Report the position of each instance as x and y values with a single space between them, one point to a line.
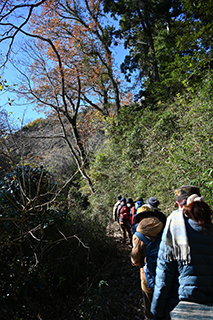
182 202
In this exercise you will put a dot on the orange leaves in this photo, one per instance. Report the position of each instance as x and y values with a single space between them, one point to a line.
76 64
126 98
89 124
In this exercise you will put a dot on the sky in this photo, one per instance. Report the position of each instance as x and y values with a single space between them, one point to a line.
19 110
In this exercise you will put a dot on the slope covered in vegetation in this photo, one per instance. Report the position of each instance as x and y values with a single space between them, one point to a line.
151 152
61 250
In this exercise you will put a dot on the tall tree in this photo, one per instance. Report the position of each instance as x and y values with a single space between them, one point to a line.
195 34
71 63
146 27
169 41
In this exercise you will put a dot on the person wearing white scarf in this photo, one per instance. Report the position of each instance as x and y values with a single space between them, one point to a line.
185 258
176 243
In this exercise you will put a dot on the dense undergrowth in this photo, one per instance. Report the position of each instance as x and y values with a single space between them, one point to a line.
48 257
151 152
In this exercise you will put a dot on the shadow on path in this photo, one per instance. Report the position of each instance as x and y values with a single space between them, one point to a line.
126 281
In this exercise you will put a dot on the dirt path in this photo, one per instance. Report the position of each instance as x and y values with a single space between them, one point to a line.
126 283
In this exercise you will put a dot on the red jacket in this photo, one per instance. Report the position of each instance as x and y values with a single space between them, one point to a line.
133 213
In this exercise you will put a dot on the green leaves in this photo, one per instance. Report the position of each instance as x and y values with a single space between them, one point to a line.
152 152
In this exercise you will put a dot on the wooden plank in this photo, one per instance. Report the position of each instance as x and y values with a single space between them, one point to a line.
190 311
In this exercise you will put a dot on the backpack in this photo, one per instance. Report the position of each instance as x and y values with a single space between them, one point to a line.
152 248
124 212
134 227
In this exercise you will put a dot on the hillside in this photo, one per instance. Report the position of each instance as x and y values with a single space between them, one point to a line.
42 142
152 152
68 256
142 152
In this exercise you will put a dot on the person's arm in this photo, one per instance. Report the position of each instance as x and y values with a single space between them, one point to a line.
166 277
114 213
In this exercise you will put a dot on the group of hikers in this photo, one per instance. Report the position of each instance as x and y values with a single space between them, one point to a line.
174 253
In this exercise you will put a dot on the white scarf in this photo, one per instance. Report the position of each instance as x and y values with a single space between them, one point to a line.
176 241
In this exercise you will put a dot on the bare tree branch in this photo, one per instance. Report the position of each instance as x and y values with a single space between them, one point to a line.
13 27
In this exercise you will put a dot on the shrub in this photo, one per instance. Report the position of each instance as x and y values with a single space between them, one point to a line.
48 257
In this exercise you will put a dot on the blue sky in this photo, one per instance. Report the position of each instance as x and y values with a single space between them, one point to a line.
19 107
19 110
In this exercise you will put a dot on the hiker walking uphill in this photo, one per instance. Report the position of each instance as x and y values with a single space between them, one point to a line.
184 274
138 204
131 206
152 201
115 209
123 213
147 235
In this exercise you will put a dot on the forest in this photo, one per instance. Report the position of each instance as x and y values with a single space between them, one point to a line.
139 127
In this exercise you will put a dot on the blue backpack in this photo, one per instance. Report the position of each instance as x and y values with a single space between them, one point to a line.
152 248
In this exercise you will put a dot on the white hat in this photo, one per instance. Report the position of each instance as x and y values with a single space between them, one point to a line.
193 198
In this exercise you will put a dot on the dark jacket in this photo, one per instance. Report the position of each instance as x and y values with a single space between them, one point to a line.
161 216
191 282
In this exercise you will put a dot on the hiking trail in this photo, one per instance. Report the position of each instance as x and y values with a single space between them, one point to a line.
126 283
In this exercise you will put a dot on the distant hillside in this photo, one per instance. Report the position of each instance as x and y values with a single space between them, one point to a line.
41 142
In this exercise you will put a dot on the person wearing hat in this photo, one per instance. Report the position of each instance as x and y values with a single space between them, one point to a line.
154 202
141 213
184 274
131 206
149 226
123 213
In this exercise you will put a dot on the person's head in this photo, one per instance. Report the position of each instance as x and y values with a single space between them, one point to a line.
182 193
138 204
140 199
198 210
119 197
144 211
130 202
145 208
123 200
153 202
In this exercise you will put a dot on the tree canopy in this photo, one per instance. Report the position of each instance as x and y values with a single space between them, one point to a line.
169 44
68 65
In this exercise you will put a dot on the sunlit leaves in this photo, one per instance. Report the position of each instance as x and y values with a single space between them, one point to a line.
78 37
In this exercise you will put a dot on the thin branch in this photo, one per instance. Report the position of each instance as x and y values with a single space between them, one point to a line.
10 219
54 198
31 6
62 234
